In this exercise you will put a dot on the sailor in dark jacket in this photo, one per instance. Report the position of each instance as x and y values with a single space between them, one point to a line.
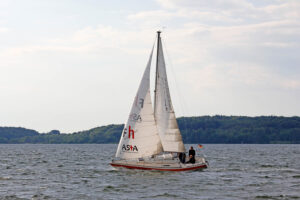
182 157
192 154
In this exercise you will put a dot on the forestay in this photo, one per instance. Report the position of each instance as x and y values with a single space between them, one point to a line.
140 136
164 113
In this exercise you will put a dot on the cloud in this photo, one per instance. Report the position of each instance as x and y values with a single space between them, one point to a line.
245 43
157 14
215 4
237 11
242 52
246 75
3 29
78 74
87 40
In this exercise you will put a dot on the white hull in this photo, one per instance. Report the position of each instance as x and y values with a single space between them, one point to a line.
160 165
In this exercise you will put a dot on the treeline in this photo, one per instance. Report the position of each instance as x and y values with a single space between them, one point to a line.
204 129
240 129
103 134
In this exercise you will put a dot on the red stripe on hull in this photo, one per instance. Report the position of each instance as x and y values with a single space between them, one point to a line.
159 169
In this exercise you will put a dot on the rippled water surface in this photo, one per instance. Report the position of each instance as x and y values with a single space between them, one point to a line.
83 172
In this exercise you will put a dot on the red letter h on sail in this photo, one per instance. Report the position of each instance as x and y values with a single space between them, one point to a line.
130 131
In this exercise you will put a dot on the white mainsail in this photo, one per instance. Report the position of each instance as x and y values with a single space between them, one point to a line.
163 110
140 136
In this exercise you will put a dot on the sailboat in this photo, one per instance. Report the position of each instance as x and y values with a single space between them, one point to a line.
151 139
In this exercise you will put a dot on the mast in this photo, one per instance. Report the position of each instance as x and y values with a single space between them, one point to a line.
156 72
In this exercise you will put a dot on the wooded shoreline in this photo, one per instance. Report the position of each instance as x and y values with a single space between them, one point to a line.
203 129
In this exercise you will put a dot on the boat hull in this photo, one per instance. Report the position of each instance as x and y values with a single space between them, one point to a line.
198 167
171 165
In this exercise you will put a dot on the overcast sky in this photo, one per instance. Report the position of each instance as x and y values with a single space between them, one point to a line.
76 64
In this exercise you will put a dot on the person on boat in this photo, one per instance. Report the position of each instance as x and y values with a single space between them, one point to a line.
192 152
191 160
182 157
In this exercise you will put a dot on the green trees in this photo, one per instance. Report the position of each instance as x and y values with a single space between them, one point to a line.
9 133
240 129
204 129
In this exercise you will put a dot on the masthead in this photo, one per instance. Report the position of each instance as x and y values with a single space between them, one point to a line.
158 33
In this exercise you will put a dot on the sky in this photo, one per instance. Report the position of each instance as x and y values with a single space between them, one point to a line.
73 65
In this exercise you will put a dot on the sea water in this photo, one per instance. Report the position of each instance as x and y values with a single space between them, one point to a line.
82 171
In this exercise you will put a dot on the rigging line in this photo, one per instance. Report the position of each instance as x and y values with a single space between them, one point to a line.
178 91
